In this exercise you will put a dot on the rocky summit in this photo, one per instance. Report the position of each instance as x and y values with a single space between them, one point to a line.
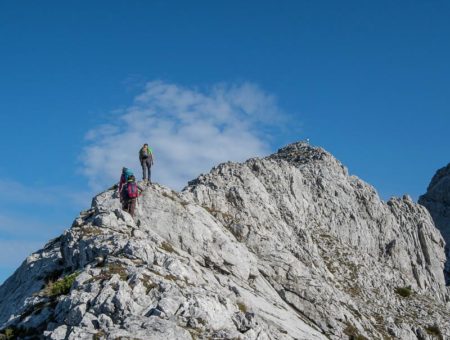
437 201
289 246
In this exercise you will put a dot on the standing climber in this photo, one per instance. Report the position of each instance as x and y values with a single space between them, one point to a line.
129 195
146 159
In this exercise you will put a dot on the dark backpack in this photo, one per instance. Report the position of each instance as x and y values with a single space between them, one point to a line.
144 154
132 190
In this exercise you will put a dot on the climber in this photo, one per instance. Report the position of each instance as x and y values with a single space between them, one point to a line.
129 195
126 173
146 159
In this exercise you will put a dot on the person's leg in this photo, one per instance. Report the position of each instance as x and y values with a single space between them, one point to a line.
149 170
132 206
144 170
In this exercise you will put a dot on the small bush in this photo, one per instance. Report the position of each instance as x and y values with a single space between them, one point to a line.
242 307
9 333
434 331
62 286
18 333
167 247
404 291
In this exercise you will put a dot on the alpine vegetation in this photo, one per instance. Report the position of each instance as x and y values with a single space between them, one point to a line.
289 246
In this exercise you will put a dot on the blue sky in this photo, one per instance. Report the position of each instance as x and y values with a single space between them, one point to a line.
83 84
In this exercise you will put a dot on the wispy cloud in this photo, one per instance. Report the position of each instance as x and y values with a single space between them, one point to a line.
189 130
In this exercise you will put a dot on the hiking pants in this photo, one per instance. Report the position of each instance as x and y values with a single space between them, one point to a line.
129 206
147 169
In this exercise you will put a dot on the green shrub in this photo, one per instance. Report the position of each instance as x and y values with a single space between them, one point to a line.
434 331
404 291
62 286
242 307
9 333
14 332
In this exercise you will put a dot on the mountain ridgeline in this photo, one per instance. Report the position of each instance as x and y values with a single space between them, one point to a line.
437 201
289 246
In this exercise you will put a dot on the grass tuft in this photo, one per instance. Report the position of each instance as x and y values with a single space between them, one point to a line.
434 331
117 268
99 335
353 333
242 307
167 247
170 277
148 283
404 291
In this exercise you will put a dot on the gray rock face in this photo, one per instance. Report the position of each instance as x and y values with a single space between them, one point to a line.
437 201
285 247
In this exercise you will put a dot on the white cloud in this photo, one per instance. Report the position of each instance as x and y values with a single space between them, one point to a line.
189 130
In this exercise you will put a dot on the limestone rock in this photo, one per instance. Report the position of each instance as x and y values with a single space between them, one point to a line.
437 201
289 246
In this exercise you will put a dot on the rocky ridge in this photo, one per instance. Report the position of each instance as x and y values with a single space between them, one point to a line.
437 201
289 246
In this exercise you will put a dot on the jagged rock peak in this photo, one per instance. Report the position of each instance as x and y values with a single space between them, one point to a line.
437 201
283 247
439 187
301 153
298 154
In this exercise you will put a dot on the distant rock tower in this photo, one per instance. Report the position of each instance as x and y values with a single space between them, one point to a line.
437 201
